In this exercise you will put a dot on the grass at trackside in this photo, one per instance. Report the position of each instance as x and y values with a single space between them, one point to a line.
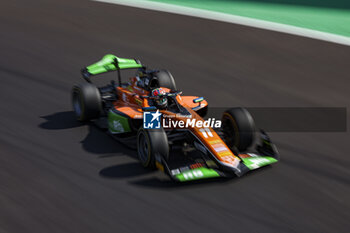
322 15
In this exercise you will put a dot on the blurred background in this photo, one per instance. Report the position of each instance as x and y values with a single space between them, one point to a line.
58 175
327 16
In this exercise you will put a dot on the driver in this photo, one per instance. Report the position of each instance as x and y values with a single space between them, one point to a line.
162 101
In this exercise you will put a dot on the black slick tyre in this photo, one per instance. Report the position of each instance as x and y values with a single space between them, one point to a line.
239 128
152 143
86 100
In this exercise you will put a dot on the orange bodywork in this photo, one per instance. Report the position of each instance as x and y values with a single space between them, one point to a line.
130 102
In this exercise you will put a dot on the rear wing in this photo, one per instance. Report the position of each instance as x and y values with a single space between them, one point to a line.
110 63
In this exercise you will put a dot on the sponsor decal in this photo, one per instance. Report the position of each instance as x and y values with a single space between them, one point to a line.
257 162
196 165
233 161
192 174
224 153
138 100
252 155
197 173
117 126
175 172
244 156
206 132
215 141
117 123
219 147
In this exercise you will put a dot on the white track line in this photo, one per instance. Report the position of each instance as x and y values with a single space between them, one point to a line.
228 18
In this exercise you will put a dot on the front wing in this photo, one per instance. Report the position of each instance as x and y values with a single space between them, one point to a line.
199 166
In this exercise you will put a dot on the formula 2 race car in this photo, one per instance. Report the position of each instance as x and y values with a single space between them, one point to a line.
135 113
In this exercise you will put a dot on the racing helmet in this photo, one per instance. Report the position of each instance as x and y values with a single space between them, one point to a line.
162 101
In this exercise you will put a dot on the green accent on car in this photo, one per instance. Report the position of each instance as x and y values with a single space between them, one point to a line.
197 174
259 161
117 123
198 100
107 63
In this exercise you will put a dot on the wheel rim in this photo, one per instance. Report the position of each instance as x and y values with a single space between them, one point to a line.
143 148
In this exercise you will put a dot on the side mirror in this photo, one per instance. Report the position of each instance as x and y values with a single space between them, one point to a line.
198 100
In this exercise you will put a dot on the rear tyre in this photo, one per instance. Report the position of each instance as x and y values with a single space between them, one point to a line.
239 128
152 143
165 79
86 101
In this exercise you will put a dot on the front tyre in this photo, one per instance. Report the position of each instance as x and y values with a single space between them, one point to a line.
86 100
152 143
239 128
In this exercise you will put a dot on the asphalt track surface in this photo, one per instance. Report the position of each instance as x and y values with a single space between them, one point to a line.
57 175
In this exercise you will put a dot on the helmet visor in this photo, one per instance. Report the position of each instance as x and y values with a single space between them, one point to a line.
161 100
